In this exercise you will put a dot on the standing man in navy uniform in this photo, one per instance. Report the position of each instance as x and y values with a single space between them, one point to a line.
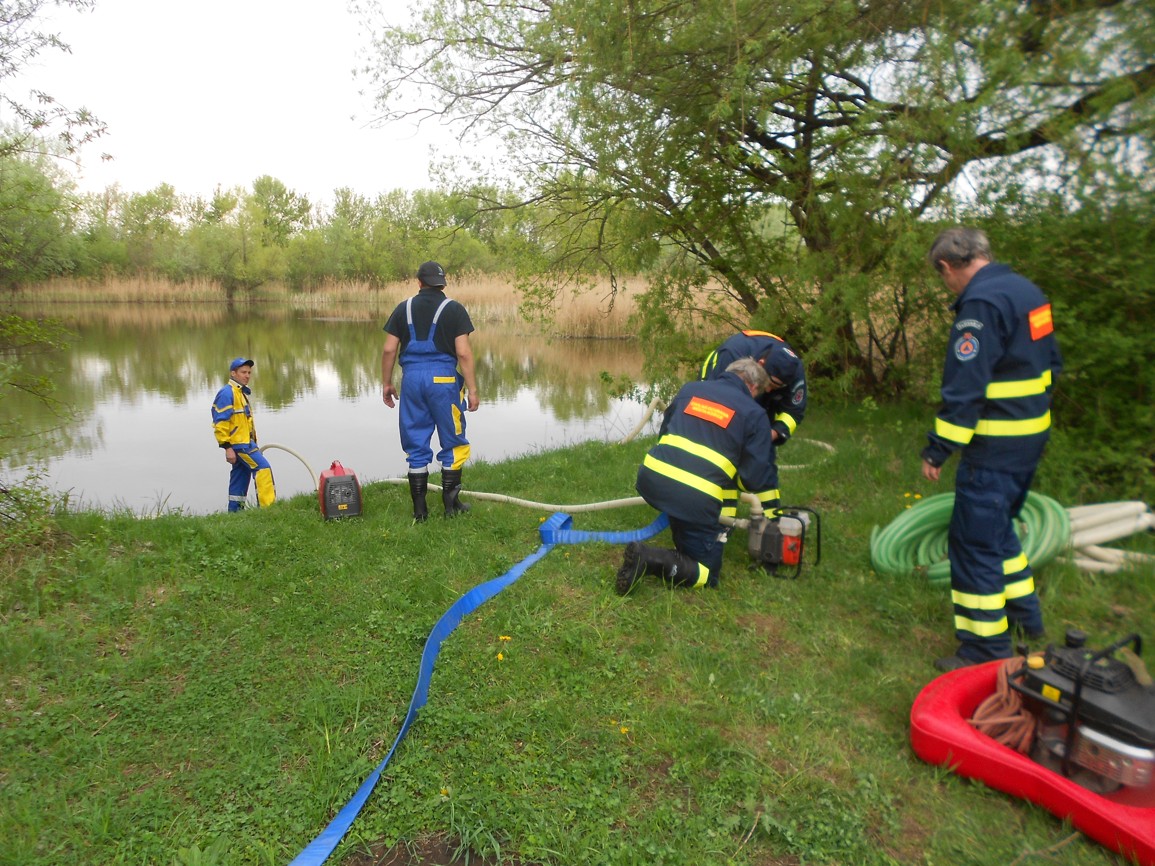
785 400
714 442
429 334
1001 366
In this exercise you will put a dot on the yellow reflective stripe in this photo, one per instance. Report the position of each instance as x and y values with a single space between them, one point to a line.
788 420
997 601
684 477
767 496
443 380
1026 427
1019 387
709 364
1015 564
703 576
1021 588
730 511
707 454
961 435
982 629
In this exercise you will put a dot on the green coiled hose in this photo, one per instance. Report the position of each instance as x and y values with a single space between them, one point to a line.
915 542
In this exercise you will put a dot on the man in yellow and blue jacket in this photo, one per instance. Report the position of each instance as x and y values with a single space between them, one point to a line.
714 441
1001 365
236 434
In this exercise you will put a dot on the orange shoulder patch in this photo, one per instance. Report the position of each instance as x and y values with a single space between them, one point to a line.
710 411
1041 322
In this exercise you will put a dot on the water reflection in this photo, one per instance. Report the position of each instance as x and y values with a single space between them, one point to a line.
140 380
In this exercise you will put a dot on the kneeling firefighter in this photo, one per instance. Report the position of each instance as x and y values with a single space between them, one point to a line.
715 440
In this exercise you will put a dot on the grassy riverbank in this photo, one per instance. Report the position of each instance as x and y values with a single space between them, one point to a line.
210 690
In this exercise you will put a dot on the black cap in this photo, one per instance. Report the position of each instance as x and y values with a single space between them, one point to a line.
431 274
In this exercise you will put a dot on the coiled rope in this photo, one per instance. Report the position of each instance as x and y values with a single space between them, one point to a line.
1002 716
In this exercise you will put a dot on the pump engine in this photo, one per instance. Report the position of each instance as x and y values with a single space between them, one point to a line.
781 541
1095 716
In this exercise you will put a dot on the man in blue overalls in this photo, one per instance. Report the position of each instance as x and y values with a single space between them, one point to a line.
429 335
1001 364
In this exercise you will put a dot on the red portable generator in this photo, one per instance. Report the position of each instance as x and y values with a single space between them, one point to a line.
339 492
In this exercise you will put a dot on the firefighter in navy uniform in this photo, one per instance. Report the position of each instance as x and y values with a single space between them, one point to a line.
785 400
714 441
429 334
236 435
1001 364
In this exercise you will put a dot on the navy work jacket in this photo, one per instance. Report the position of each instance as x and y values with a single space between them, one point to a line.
714 441
1001 366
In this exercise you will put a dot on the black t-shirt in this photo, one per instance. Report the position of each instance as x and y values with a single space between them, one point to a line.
454 321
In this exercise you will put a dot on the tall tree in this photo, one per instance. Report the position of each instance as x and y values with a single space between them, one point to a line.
791 151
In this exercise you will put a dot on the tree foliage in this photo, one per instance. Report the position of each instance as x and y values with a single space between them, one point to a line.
37 116
1096 263
35 220
792 152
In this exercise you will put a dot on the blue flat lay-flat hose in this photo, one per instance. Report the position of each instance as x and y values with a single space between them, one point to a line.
915 542
556 530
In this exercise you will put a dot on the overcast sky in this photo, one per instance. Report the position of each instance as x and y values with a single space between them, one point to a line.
220 92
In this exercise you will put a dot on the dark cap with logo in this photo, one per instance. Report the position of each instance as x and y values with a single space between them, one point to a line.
240 362
781 363
431 274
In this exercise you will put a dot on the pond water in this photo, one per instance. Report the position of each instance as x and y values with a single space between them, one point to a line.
140 381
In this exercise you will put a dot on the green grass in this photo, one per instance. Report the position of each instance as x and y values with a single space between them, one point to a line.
210 690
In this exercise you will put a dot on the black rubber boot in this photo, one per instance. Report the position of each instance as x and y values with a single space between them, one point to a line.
632 568
418 485
451 492
673 567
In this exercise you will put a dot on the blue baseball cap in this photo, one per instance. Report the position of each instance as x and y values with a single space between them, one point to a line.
240 362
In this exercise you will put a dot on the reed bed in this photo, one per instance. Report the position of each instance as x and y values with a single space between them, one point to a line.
598 310
119 289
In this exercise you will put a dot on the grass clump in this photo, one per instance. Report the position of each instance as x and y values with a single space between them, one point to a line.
193 690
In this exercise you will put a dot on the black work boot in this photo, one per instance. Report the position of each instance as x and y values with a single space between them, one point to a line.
451 491
673 567
632 568
418 485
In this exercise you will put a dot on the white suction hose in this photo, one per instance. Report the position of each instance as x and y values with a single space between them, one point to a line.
1092 525
289 450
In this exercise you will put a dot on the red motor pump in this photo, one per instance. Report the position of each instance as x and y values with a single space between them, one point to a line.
339 492
782 541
